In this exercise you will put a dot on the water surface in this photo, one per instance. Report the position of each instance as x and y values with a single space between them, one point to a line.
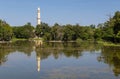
27 60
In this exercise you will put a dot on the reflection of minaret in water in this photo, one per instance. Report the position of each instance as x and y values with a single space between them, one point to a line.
38 62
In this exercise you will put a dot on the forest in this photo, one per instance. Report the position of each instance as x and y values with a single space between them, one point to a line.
107 31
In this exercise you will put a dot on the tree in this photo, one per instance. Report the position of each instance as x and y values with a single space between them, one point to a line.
68 33
5 31
118 34
57 32
98 34
26 31
116 19
111 28
42 29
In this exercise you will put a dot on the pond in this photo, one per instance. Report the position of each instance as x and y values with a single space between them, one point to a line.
86 60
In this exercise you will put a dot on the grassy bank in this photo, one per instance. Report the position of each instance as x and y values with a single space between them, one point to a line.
79 41
108 43
23 39
18 39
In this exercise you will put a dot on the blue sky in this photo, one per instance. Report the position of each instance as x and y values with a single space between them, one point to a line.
84 12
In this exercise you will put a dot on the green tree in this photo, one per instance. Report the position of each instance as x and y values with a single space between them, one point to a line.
68 33
5 31
116 19
42 29
57 32
118 34
26 31
98 34
111 28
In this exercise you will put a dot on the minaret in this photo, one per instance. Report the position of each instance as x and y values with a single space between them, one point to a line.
38 17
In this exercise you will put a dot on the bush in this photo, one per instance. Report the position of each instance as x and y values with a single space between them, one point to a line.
79 40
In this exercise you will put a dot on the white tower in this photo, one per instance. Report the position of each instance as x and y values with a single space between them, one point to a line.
38 16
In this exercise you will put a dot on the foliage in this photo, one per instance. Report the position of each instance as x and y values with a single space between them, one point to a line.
5 31
26 31
108 31
57 32
98 34
79 40
42 29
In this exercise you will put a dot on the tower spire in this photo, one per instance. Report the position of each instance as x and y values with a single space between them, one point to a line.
38 17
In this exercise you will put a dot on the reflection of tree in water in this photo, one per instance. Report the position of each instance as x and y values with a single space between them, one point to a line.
25 47
111 56
45 53
2 58
67 49
20 46
72 53
48 49
4 52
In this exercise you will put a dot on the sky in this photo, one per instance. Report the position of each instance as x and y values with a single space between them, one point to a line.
83 12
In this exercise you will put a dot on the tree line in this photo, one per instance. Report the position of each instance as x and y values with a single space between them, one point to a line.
108 31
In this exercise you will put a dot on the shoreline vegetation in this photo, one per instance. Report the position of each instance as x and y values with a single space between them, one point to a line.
104 43
79 41
107 33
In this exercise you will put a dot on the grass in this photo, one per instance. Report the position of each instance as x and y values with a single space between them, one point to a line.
17 39
22 39
104 43
108 43
35 39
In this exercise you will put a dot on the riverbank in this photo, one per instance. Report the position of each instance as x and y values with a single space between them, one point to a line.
5 42
61 41
21 39
104 43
